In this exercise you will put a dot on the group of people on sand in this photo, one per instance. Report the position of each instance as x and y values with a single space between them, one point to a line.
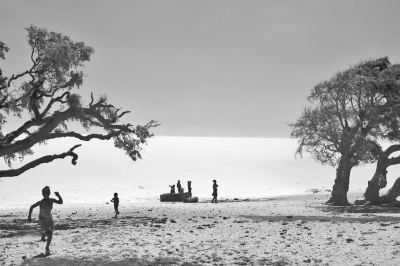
180 190
46 205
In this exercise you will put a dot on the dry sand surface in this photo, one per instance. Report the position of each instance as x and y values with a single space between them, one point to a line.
295 230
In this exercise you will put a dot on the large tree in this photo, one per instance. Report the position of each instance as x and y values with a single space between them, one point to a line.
45 92
342 126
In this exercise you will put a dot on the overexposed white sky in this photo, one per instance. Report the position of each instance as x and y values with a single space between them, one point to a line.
209 68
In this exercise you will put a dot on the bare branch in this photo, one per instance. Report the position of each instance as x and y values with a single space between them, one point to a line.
33 61
33 104
54 100
82 137
48 125
105 123
394 160
392 149
44 159
30 72
91 96
123 113
14 78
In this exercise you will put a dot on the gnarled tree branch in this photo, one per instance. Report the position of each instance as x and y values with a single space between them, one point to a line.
44 159
82 137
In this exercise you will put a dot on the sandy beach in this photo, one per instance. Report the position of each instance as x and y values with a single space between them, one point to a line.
287 230
269 105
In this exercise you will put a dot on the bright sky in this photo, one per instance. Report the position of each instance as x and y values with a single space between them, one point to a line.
209 68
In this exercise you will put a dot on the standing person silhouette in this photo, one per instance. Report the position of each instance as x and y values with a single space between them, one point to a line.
116 204
178 185
215 192
45 218
190 188
172 189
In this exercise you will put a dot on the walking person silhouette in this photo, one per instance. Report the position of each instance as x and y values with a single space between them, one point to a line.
215 192
45 218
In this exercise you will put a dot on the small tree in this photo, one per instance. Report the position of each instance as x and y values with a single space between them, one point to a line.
342 128
46 94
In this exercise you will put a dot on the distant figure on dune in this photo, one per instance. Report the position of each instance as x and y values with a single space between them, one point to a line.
190 188
215 192
178 185
172 189
45 218
116 203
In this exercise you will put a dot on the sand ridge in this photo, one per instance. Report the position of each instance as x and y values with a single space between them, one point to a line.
299 230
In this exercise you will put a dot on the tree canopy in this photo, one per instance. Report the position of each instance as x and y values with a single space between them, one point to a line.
46 93
347 116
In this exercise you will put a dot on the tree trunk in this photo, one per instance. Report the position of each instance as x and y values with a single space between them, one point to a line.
392 193
341 186
378 181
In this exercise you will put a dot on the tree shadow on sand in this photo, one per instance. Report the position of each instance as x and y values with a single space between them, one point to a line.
359 209
20 227
369 214
17 227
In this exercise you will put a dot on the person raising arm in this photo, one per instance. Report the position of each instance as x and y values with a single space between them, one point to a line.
45 218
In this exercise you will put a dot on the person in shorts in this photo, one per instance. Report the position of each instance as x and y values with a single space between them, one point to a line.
45 218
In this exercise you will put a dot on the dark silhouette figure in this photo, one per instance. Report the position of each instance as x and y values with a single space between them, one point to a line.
178 185
172 189
45 218
215 192
190 188
116 204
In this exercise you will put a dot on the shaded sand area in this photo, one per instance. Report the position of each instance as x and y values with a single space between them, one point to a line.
295 230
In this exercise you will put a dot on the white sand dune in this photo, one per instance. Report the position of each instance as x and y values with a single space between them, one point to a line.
289 230
243 167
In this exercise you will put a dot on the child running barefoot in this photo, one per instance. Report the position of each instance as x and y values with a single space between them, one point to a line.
45 218
116 203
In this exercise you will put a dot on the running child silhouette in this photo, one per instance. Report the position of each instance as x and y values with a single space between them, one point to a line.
45 218
116 203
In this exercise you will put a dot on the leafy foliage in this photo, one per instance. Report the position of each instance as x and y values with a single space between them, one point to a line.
46 93
3 49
